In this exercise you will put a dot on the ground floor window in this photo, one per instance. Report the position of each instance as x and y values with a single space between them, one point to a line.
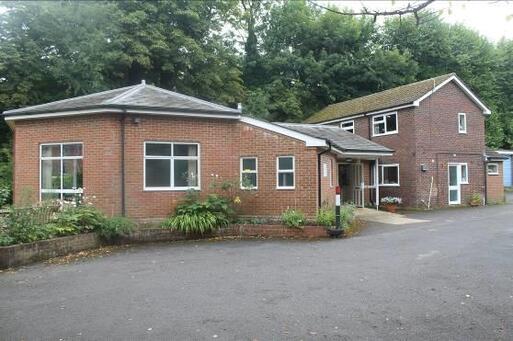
248 173
389 175
61 170
171 166
492 169
285 172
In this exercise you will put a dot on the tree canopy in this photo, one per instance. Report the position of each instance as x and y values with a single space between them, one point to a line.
283 60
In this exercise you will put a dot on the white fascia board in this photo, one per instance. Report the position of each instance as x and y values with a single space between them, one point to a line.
370 155
116 110
309 140
346 118
462 86
505 152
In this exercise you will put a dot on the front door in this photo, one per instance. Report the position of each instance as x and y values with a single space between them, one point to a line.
454 185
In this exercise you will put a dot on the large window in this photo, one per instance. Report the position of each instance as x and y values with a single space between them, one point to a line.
248 173
285 169
61 170
171 166
462 123
384 124
347 126
389 175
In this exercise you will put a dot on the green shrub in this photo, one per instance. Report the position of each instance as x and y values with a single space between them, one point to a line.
347 215
195 216
114 227
293 218
5 195
326 216
83 218
23 225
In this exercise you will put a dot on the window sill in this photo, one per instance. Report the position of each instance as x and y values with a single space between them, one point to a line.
389 185
285 188
385 134
167 189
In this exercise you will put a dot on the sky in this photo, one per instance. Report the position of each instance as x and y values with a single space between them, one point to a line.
492 19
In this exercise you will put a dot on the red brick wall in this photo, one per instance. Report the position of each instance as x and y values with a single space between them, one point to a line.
495 186
101 164
222 143
328 189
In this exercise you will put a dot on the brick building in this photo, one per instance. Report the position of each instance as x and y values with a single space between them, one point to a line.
437 129
139 149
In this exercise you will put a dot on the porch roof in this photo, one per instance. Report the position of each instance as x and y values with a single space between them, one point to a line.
340 139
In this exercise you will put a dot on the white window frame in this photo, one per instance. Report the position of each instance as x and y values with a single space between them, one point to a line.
242 172
348 128
61 158
382 173
488 168
171 159
331 173
464 181
278 171
464 130
383 116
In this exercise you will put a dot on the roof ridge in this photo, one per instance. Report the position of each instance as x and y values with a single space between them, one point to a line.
449 75
64 100
127 93
307 125
191 98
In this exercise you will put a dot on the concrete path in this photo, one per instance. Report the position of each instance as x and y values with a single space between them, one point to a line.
373 215
450 278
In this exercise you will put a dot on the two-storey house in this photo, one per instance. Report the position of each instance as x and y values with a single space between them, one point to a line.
436 128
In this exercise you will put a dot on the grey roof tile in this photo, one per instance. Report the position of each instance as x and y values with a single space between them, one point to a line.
338 137
136 96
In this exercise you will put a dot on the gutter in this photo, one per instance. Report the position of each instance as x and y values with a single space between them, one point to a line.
319 177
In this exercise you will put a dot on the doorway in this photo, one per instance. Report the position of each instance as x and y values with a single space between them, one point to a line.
351 183
454 184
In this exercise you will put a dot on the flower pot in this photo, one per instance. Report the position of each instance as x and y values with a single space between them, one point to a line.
334 232
392 208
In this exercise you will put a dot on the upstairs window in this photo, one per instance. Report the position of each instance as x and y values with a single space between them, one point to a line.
389 175
347 126
384 124
61 171
171 166
248 173
462 123
285 172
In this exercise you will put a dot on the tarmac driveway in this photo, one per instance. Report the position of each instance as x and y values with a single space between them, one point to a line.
449 278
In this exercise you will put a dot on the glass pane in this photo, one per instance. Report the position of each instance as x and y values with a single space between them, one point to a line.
53 150
72 174
51 174
286 179
453 175
185 150
285 163
462 123
379 128
249 164
453 195
50 196
391 122
158 173
186 173
158 149
390 175
464 173
249 180
72 149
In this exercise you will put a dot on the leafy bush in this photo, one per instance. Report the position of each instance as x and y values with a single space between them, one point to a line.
23 225
195 216
391 200
83 218
5 195
347 215
326 216
116 226
475 199
293 218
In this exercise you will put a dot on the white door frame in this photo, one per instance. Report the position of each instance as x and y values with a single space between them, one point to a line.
454 187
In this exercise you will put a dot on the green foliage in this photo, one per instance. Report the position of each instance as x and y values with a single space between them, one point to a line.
347 215
196 216
475 199
25 225
293 218
5 195
114 227
82 218
326 216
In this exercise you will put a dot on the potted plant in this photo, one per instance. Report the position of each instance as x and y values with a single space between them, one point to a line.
390 203
475 199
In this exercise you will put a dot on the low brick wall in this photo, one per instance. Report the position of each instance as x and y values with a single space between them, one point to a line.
22 254
16 255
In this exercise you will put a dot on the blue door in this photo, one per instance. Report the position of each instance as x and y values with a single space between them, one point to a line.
508 173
